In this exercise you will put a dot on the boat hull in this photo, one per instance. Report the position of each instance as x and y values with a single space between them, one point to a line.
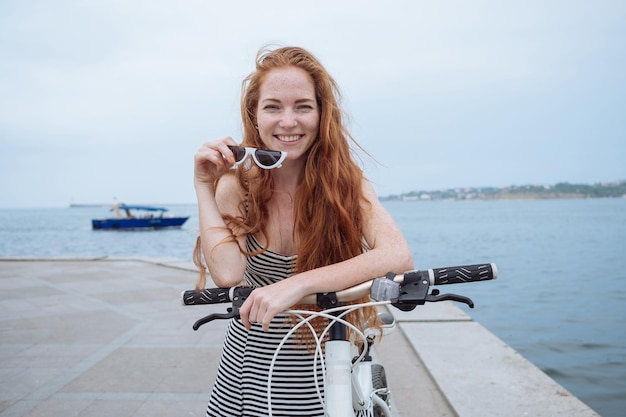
138 223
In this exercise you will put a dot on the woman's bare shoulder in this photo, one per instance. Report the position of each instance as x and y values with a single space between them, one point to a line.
229 193
368 190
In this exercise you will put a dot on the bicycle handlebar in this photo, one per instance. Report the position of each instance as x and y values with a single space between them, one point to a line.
377 289
405 291
207 296
461 274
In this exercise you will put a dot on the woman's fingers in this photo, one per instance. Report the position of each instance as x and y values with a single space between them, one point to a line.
213 160
257 309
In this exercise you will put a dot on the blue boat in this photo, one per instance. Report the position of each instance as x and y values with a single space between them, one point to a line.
138 218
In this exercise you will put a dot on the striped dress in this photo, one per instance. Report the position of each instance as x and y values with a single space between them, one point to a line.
241 383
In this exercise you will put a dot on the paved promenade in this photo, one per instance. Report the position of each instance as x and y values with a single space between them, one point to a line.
108 337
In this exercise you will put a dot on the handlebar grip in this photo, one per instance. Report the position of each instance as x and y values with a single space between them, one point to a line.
464 273
206 296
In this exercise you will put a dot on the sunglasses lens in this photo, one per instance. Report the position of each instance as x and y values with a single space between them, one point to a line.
267 158
238 152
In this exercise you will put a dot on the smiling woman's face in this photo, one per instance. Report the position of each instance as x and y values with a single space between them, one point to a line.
288 116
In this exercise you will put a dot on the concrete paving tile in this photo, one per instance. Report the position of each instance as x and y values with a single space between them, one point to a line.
179 335
185 278
17 293
5 404
11 387
181 408
49 356
139 296
10 270
59 408
91 286
17 383
61 301
154 309
151 370
8 352
86 327
104 408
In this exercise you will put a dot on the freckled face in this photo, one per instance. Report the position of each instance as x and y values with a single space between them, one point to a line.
288 115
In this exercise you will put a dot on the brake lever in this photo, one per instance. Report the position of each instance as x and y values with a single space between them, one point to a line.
240 295
232 313
435 297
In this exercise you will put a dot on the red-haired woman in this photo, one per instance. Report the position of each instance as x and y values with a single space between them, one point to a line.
298 221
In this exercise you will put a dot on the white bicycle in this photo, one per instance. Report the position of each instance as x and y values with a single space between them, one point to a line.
353 384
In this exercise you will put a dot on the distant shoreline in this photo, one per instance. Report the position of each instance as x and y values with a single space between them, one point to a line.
524 192
88 205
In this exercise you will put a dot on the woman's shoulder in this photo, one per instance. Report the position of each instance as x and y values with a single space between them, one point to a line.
229 192
367 188
229 179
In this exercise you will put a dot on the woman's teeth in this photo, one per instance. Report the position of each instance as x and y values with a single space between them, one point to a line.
288 138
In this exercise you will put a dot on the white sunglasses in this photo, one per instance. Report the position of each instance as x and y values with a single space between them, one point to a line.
264 158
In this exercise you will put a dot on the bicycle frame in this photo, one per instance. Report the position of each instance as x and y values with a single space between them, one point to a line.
348 388
339 380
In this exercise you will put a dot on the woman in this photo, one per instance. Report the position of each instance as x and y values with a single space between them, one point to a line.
314 220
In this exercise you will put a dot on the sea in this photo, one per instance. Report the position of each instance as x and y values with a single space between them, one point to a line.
559 300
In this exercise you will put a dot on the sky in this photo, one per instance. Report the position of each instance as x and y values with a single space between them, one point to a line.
111 99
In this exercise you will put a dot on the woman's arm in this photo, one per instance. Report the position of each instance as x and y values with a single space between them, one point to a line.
221 250
389 252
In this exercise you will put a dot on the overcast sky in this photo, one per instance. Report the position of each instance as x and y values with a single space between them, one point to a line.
103 99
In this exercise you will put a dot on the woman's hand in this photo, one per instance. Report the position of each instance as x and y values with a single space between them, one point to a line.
265 303
213 160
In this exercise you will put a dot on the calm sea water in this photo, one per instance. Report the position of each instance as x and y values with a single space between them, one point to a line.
560 299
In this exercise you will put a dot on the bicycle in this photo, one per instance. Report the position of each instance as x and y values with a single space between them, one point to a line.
353 385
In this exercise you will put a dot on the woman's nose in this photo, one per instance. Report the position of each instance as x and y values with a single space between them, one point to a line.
289 119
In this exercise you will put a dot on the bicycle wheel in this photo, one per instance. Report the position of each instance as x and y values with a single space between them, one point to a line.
379 383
